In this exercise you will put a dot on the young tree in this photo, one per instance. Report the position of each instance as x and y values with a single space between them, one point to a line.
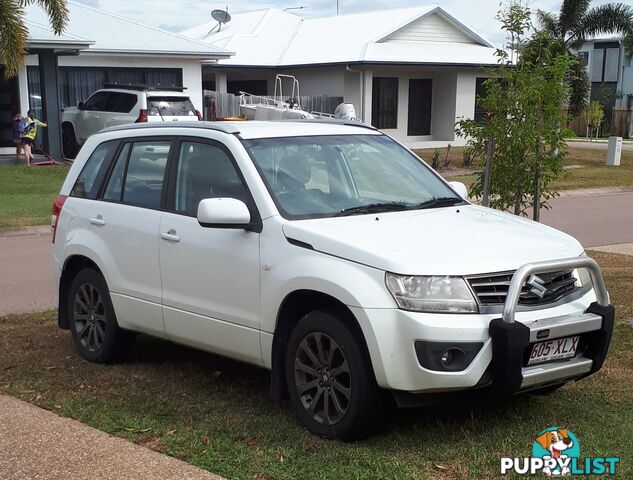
576 22
14 34
594 116
524 122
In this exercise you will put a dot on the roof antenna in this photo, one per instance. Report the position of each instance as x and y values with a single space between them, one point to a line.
221 16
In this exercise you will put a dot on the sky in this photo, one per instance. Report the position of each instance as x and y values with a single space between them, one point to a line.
179 15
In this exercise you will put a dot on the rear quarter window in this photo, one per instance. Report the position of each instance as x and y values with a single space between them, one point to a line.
91 176
170 106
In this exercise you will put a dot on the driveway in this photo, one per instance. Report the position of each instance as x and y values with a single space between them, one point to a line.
605 217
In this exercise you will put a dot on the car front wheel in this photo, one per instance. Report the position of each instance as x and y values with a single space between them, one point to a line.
92 321
330 379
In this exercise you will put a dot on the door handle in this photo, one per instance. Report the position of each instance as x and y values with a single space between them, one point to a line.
170 236
98 221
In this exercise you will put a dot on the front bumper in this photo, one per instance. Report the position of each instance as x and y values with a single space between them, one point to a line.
501 362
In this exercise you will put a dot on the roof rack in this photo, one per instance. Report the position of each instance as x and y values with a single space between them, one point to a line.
224 127
141 87
331 121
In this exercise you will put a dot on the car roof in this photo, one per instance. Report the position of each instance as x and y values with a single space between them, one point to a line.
148 92
253 129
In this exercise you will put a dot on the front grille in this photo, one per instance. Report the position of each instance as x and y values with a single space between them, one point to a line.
493 289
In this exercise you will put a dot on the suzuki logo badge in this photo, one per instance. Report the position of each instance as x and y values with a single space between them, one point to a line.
537 285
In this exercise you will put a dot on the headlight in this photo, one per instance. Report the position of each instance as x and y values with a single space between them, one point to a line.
583 280
431 294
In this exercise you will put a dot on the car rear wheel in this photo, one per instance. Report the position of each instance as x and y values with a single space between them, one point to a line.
330 379
92 321
69 142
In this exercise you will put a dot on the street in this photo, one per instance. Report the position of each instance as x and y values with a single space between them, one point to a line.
26 283
595 220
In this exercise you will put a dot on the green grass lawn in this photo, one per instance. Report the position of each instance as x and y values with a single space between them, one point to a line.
593 174
27 194
217 414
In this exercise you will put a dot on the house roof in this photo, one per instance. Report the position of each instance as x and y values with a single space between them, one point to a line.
43 36
424 34
111 33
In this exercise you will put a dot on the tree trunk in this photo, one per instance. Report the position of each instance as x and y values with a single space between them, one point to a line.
536 201
485 200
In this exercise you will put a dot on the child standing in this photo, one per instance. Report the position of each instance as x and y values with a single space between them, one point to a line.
17 141
28 129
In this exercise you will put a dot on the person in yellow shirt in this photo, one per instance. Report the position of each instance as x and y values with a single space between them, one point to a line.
28 132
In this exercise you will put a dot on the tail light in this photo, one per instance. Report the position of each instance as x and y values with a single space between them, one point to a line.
199 115
57 210
142 116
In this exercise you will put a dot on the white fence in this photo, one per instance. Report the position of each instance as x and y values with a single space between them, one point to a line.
228 105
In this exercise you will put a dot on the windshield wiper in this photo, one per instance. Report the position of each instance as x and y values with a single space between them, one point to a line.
439 202
371 208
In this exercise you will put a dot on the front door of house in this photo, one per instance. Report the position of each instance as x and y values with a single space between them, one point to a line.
9 106
420 96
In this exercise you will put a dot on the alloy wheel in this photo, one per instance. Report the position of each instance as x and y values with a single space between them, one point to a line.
322 378
89 317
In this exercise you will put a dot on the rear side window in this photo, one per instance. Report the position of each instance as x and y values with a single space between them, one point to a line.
114 187
170 106
138 174
90 178
120 102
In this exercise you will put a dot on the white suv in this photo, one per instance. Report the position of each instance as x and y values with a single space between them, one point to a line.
325 252
115 105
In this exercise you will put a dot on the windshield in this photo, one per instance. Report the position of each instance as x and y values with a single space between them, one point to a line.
325 176
170 106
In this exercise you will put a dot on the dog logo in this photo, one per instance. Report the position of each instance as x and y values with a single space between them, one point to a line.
558 444
556 453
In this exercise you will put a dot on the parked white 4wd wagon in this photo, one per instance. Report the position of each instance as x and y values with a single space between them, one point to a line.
325 252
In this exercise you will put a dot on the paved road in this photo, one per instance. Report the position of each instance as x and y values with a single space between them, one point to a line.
602 219
626 146
26 282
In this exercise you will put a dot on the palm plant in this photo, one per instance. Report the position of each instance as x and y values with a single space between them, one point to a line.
576 22
14 33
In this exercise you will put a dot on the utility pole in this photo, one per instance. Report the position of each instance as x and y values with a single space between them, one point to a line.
337 7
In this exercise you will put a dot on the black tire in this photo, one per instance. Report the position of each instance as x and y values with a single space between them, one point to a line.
344 379
92 321
69 141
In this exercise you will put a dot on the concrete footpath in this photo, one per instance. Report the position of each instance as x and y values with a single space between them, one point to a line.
36 444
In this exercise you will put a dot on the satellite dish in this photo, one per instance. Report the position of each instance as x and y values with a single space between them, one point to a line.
221 16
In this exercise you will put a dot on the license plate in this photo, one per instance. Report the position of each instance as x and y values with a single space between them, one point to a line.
554 350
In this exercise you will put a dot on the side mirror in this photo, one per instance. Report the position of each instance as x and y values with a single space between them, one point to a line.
223 213
460 188
81 105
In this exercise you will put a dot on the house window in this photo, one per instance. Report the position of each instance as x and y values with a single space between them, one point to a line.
480 92
384 103
420 98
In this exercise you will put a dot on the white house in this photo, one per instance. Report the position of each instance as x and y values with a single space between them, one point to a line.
97 47
609 65
412 72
